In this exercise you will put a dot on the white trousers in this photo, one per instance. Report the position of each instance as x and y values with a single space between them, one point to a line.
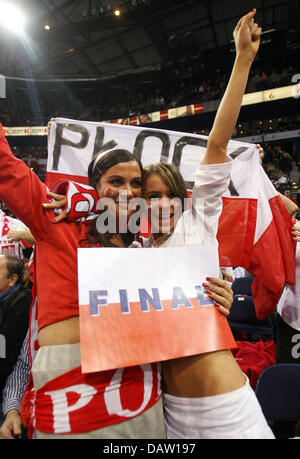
234 415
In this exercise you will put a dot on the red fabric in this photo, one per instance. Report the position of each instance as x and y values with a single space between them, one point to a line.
253 358
64 405
273 261
27 407
236 231
53 177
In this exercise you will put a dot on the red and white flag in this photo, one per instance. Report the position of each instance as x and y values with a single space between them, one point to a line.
254 227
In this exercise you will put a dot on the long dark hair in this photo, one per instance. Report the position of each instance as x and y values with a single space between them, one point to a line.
95 171
173 179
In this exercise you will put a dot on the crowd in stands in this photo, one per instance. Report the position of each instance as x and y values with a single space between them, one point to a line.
268 126
107 101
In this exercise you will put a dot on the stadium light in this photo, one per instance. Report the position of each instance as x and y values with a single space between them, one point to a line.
11 17
117 12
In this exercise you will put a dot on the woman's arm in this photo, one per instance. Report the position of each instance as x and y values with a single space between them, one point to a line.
22 191
247 40
291 207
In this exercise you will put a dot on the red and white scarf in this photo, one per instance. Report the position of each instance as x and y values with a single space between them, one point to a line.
77 403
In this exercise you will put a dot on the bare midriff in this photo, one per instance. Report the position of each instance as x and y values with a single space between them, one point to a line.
197 376
202 375
64 332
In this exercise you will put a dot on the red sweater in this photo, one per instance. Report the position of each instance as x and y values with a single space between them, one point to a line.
56 244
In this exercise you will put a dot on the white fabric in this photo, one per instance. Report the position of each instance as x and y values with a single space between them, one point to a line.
239 272
199 225
235 415
289 303
13 248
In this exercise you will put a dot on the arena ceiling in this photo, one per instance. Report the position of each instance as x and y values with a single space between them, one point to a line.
86 40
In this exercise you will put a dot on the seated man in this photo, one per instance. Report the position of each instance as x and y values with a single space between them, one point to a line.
13 393
15 301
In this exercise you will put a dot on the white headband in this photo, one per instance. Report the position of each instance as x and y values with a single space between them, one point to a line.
109 146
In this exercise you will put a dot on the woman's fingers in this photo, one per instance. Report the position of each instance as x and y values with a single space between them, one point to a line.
59 202
60 217
296 233
220 291
227 276
257 34
221 296
55 196
223 310
55 204
220 283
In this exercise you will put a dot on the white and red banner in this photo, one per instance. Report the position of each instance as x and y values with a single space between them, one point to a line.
254 228
134 303
6 246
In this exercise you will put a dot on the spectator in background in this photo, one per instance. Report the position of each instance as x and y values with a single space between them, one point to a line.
15 301
286 163
13 393
282 182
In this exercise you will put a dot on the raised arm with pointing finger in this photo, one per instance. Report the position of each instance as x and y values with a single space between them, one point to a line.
247 40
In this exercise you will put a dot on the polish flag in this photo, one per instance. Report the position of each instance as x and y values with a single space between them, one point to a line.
255 233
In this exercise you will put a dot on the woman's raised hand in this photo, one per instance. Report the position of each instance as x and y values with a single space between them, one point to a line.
247 36
58 201
261 153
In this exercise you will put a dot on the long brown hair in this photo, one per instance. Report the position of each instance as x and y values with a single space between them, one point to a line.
173 179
